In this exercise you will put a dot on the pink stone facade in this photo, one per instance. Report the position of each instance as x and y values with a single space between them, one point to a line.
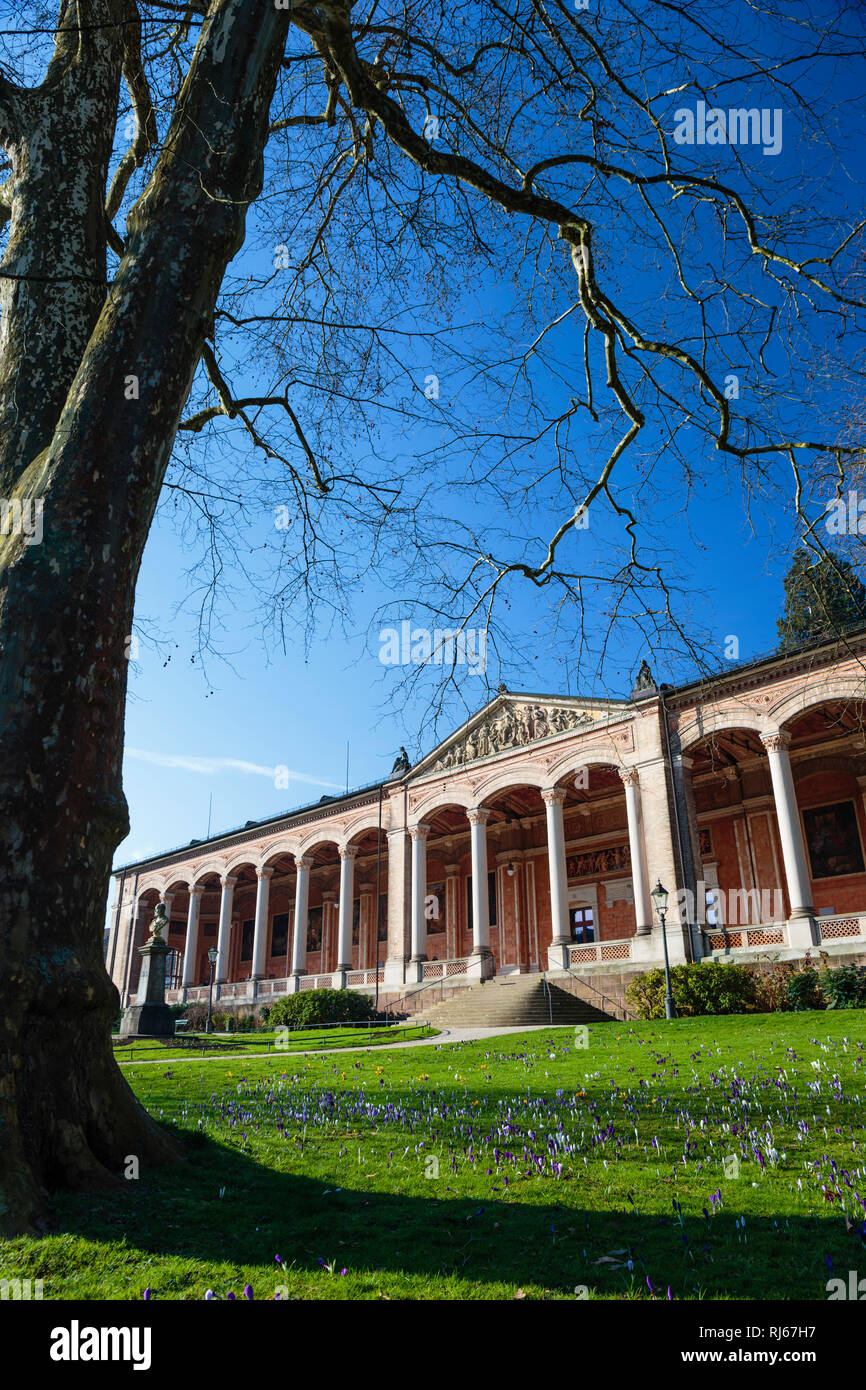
530 840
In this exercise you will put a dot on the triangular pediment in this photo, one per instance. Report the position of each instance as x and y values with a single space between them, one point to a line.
512 721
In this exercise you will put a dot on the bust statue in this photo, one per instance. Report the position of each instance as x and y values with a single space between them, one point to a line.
159 925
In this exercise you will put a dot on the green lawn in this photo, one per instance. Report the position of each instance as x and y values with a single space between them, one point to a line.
190 1045
523 1166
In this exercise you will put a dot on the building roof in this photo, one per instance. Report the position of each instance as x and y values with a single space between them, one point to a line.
850 638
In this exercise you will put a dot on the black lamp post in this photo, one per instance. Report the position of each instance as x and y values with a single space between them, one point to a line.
659 896
212 957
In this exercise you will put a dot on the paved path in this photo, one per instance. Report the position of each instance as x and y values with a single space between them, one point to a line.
445 1035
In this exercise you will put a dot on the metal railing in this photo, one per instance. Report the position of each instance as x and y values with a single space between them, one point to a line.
584 984
411 993
546 987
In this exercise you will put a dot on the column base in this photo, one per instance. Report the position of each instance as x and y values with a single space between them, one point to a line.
481 964
644 931
558 956
802 932
395 971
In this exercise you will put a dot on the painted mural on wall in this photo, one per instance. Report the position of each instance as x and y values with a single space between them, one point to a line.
833 840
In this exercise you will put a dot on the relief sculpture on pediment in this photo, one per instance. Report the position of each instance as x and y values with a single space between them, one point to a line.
512 728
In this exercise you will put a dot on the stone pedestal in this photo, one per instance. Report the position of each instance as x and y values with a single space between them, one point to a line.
149 1016
480 965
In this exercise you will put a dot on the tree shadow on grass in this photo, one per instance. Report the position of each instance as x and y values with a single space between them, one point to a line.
435 1244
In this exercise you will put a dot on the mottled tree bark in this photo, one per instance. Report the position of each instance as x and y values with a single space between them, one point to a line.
75 436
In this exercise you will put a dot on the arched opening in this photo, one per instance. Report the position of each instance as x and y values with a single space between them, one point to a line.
741 877
601 899
827 750
447 908
369 878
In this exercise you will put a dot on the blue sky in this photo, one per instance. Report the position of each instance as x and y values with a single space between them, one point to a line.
223 733
185 733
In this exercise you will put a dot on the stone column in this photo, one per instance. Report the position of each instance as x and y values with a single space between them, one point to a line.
329 898
347 905
225 926
481 963
452 911
260 931
399 894
418 835
643 915
561 938
191 950
801 927
302 899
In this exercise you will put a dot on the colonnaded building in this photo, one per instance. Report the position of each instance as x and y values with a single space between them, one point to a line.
531 840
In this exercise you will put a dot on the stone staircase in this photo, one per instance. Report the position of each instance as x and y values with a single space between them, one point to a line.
512 1001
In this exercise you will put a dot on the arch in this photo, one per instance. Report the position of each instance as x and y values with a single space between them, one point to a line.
150 885
504 780
368 821
798 701
461 797
178 882
214 866
704 726
238 860
319 837
581 757
273 851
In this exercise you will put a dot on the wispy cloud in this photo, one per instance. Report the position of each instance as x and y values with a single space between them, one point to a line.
211 767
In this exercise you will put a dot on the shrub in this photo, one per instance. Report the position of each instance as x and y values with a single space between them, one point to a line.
697 990
845 988
196 1017
771 985
804 991
314 1006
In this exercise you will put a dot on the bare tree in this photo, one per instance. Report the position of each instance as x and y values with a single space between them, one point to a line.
311 195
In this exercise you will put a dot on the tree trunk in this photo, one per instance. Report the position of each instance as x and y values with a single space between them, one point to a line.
67 1117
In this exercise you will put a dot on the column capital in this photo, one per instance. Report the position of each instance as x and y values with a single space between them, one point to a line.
195 891
329 895
303 863
452 870
264 873
629 776
349 851
419 832
229 880
478 815
395 831
775 741
553 796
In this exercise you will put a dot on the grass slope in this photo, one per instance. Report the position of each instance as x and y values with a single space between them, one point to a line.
522 1166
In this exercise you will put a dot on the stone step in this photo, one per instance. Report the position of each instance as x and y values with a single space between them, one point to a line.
512 1002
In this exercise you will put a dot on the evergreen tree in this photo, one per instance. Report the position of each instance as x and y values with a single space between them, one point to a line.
820 597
